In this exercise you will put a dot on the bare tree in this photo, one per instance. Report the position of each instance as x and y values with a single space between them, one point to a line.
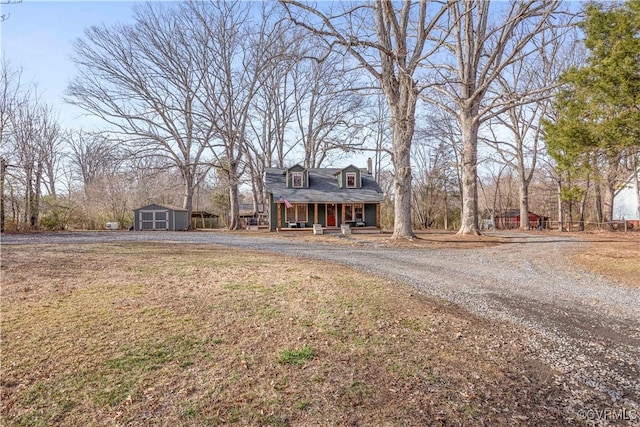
5 16
535 77
484 41
51 151
144 80
328 109
34 140
273 108
436 157
233 51
93 155
392 52
12 95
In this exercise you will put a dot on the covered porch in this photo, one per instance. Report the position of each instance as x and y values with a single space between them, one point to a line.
331 216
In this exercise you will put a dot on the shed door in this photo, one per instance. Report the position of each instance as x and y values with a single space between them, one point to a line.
154 220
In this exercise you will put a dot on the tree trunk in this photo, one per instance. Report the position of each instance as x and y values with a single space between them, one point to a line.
34 220
3 171
446 212
403 106
469 220
583 204
524 204
234 208
560 212
598 195
187 202
609 191
402 185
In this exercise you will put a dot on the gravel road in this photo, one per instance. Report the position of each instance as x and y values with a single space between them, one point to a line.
585 326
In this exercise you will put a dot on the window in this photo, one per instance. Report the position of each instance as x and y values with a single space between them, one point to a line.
291 214
297 212
354 212
348 212
296 179
351 180
358 212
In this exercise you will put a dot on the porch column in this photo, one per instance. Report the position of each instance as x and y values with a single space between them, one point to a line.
378 215
344 214
279 216
315 214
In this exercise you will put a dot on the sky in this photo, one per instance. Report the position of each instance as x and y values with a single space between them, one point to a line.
38 37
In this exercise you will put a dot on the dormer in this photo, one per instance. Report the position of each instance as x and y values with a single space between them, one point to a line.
349 177
297 177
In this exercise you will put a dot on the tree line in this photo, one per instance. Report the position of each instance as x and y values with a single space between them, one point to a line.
452 100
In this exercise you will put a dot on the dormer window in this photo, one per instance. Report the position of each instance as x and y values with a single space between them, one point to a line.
296 179
351 180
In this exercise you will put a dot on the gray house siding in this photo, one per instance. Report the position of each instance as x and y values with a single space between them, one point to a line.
273 212
342 176
369 215
305 176
321 213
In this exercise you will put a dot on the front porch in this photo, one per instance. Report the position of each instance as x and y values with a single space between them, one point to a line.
360 217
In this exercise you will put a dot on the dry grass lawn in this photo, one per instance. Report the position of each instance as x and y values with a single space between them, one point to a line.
195 335
612 254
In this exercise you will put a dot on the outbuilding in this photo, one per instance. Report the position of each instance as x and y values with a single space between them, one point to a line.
156 217
626 201
511 219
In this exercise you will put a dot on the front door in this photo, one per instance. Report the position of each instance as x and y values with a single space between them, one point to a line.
331 215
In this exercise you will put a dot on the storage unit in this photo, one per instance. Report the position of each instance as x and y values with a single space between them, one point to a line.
156 217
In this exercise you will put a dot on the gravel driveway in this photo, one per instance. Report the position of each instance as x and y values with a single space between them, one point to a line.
585 326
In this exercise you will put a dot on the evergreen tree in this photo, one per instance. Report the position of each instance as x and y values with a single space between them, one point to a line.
598 106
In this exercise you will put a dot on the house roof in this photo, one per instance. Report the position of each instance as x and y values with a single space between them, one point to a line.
323 187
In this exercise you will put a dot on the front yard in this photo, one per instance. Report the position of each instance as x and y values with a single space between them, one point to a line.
169 334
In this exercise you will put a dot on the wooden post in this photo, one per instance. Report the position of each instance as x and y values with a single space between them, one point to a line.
344 215
378 215
279 209
315 214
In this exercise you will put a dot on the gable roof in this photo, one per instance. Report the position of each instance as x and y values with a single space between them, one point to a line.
323 187
350 168
153 206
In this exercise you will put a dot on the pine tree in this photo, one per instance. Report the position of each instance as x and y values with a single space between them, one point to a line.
597 119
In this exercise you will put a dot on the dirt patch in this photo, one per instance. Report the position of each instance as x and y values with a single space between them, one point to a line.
168 334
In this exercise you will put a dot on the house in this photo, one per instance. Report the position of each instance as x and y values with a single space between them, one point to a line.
626 206
300 197
160 217
510 219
